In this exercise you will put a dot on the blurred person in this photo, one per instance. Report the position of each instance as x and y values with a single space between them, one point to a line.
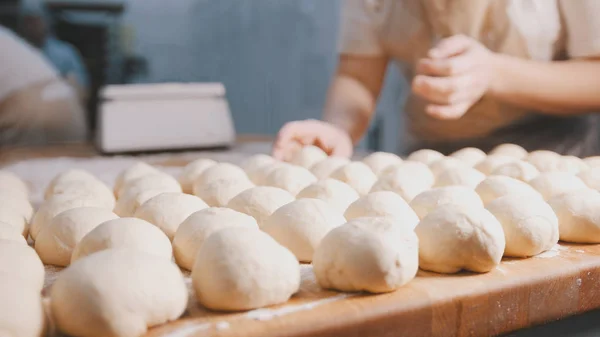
482 73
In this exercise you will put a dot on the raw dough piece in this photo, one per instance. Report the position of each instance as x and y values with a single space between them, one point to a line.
168 210
301 225
72 175
192 171
290 178
578 215
242 269
10 233
325 168
425 156
469 155
259 174
494 187
161 181
380 161
16 202
551 184
221 171
95 188
308 156
21 312
15 219
117 292
548 161
128 204
463 176
428 201
358 175
256 161
574 164
380 204
334 192
591 178
511 150
521 170
408 180
20 262
592 162
199 226
55 242
367 254
455 237
217 193
11 182
439 166
128 233
530 225
492 162
135 171
260 202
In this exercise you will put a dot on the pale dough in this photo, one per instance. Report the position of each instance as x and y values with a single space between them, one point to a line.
408 180
494 187
20 262
72 175
548 161
358 175
455 237
10 233
128 204
15 219
469 155
334 192
425 156
155 181
301 225
16 202
520 169
221 171
259 174
199 226
118 293
242 269
511 150
11 182
21 310
308 156
578 215
428 201
192 171
367 254
257 161
133 172
380 161
551 184
592 162
463 176
591 178
325 168
530 225
56 241
260 202
492 162
290 178
217 193
94 188
381 204
443 164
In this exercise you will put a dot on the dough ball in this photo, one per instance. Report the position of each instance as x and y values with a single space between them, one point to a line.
168 210
11 182
20 262
521 170
381 204
199 226
128 204
592 162
18 204
463 176
325 168
551 184
591 178
446 163
301 225
95 188
428 201
69 176
548 161
578 215
125 233
308 156
135 171
257 161
55 242
260 202
160 181
367 254
574 164
242 269
117 292
492 162
290 178
221 171
13 218
469 155
334 192
358 175
530 225
511 150
455 237
379 161
494 187
408 180
217 193
10 233
21 311
192 171
425 156
260 174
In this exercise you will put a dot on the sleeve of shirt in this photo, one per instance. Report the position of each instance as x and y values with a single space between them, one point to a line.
582 27
359 29
77 67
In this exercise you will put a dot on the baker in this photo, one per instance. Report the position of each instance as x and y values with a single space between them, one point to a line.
482 73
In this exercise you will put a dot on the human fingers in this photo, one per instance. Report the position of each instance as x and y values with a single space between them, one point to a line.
443 90
447 111
451 46
452 66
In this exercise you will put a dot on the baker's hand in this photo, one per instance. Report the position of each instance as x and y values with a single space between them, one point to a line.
454 76
293 135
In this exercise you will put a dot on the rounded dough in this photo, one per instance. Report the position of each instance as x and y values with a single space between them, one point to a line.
301 225
308 156
11 182
325 168
168 210
55 242
550 184
521 170
94 188
127 233
217 193
446 163
242 269
425 156
548 161
17 203
117 292
199 226
463 176
530 225
408 180
21 312
128 204
14 218
469 155
591 178
455 237
69 176
160 181
334 192
382 204
221 171
428 201
133 172
259 174
192 171
367 254
358 175
592 162
574 164
578 215
511 150
257 161
290 178
494 187
260 202
380 161
20 262
492 162
10 233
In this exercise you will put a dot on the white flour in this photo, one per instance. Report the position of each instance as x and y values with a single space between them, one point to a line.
554 251
267 314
